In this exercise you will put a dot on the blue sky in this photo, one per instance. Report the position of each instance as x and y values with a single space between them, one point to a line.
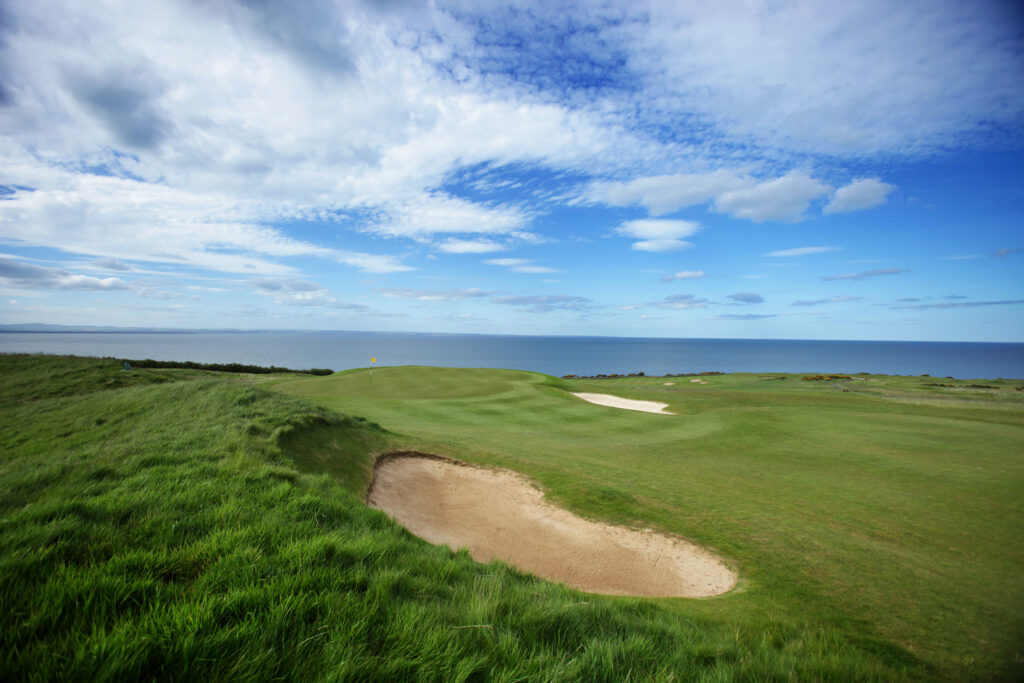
669 169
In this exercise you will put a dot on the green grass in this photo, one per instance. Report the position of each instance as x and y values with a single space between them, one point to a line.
196 526
879 506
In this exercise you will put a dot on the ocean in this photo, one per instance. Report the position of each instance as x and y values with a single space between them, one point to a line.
551 355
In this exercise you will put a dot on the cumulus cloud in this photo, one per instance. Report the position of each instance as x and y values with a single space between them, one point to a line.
30 276
747 298
859 195
546 303
684 275
866 274
742 196
787 197
666 193
833 300
658 234
801 251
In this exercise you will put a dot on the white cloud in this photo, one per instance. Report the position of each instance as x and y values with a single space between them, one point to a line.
230 117
295 292
426 215
458 246
867 273
546 303
30 276
782 198
835 78
742 196
666 193
534 269
111 264
434 294
682 302
801 251
658 234
520 265
858 195
744 316
684 275
833 300
120 218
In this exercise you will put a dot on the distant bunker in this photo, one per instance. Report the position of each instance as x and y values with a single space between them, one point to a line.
498 514
611 401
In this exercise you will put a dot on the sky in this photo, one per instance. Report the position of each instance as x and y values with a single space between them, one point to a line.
737 169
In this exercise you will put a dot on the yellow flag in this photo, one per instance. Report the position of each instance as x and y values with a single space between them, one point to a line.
373 360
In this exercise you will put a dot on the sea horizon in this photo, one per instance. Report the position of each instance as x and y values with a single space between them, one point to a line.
550 354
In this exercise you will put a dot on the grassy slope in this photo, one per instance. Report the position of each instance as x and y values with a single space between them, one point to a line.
890 510
166 524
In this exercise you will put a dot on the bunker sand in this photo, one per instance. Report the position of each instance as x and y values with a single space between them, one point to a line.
499 514
625 403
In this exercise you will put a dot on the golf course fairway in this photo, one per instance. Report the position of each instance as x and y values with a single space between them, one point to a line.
890 505
198 524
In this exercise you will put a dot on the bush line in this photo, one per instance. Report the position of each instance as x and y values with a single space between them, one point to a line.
223 367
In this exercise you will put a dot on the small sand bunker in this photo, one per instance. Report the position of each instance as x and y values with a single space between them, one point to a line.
626 403
499 514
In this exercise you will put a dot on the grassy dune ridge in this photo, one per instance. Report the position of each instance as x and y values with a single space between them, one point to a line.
190 525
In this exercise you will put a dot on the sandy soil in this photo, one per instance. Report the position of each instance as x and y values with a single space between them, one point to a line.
626 403
499 514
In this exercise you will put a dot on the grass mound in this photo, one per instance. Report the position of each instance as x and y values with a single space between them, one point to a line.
28 378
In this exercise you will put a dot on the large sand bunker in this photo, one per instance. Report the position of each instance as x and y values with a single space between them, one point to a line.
625 403
498 514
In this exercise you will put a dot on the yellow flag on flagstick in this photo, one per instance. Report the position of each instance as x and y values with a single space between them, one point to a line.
373 360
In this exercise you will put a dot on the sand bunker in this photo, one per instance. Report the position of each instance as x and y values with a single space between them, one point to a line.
626 403
498 514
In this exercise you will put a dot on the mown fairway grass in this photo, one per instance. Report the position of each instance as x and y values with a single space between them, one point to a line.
878 507
195 526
